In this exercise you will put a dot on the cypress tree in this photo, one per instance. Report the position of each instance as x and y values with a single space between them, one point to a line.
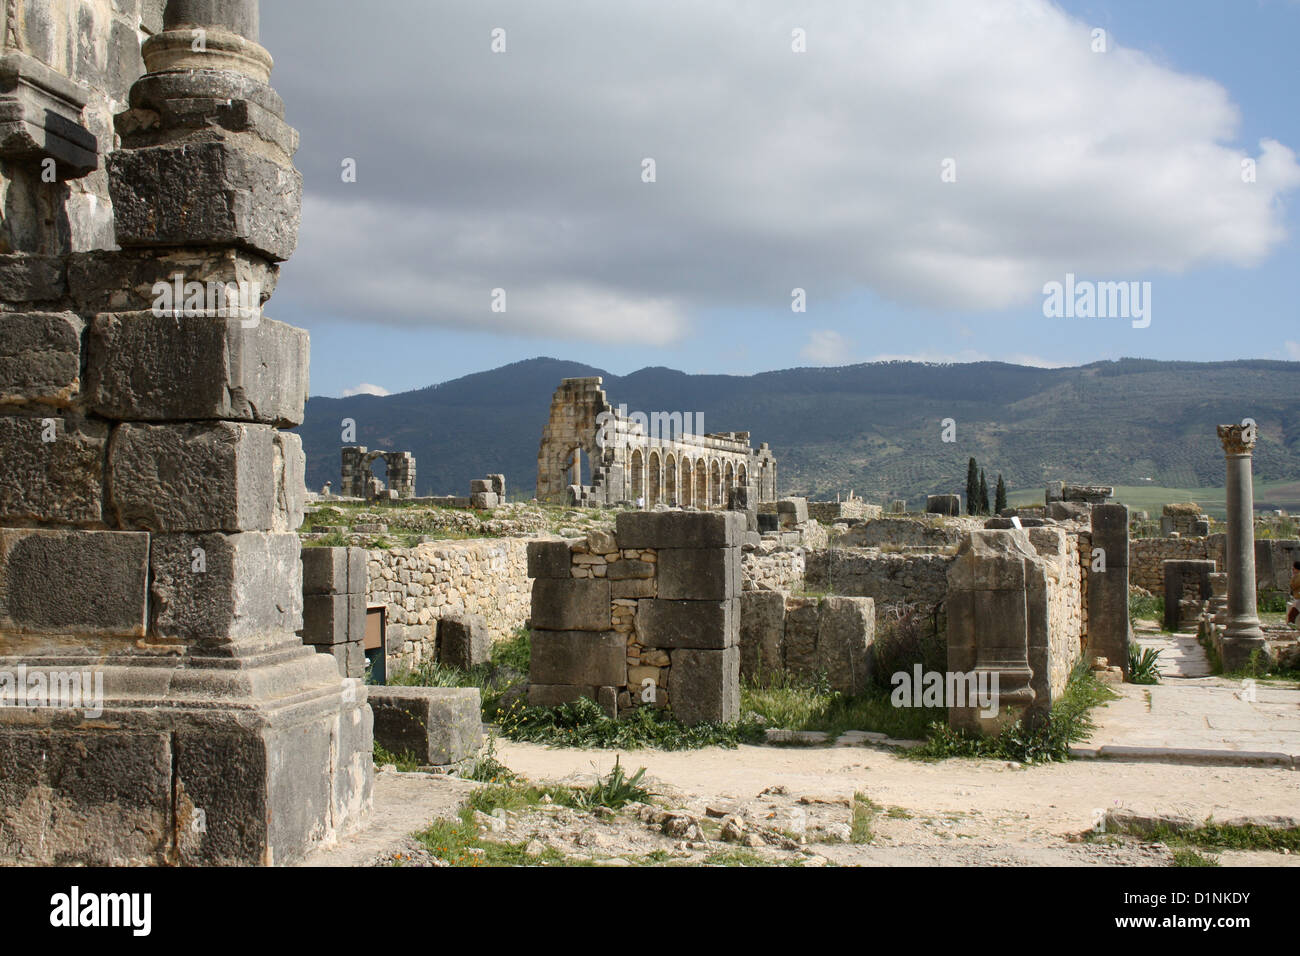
984 494
1001 497
972 488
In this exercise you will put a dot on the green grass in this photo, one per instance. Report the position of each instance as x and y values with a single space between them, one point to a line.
792 704
1045 741
404 762
507 668
864 815
1183 856
582 723
1143 607
1219 836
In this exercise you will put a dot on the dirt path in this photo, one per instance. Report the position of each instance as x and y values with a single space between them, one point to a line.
955 812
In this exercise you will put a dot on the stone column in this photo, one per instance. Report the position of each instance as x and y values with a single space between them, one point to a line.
1242 635
149 504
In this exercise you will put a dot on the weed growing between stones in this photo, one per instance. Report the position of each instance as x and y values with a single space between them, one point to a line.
404 762
864 814
1042 742
1144 666
1145 607
1188 857
499 681
582 723
792 704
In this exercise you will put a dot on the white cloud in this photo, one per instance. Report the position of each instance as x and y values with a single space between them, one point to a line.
819 170
365 388
966 356
1293 350
827 347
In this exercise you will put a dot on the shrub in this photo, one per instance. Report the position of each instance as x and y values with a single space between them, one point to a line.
905 637
1144 666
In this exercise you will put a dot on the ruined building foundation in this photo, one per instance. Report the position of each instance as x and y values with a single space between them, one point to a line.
150 580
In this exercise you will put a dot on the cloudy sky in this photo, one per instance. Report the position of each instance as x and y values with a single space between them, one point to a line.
920 169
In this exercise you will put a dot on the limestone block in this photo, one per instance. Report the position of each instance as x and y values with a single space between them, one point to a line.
571 605
699 574
437 725
480 486
350 657
483 500
631 589
762 632
40 117
601 542
330 619
630 569
943 504
52 469
205 193
800 641
578 658
44 578
548 559
846 628
145 367
94 799
40 357
334 571
32 278
697 624
798 507
464 642
679 529
216 476
216 588
705 685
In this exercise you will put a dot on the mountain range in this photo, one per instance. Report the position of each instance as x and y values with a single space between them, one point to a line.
876 429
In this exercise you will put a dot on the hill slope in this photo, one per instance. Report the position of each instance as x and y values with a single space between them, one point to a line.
873 428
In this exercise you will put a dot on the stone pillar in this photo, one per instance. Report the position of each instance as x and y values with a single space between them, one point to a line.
1109 627
148 515
1242 635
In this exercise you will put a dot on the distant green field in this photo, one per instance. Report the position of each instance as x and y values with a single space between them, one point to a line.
1151 498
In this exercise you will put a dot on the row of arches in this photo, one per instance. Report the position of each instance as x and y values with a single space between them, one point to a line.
682 482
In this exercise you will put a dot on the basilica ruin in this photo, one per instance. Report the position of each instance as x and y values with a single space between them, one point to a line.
593 453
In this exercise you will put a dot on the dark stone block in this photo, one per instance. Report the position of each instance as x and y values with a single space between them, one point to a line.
698 574
699 624
571 604
578 658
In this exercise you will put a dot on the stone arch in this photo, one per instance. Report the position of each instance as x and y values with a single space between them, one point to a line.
701 484
655 484
688 487
742 477
636 473
670 480
715 484
728 481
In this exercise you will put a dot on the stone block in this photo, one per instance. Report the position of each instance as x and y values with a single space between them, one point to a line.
213 589
329 619
147 367
483 500
350 657
798 507
549 559
697 624
679 529
334 571
32 278
800 641
437 725
480 486
73 797
601 542
578 658
629 569
40 357
705 685
52 469
552 695
762 632
89 584
846 628
943 504
571 605
464 642
205 193
768 523
41 117
632 588
216 476
698 574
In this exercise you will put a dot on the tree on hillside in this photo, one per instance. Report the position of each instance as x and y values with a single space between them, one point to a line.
972 488
1000 502
984 494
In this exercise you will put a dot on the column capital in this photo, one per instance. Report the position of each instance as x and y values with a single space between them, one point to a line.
1237 439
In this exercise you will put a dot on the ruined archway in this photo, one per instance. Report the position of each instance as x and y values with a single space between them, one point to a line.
655 480
636 465
687 488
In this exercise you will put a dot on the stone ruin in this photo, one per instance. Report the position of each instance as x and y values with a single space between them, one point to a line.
359 482
140 448
630 460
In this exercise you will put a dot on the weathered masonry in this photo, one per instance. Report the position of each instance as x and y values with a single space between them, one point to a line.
156 703
359 482
595 454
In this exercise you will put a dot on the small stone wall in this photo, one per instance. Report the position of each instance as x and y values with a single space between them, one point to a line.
773 567
829 512
420 585
645 616
888 577
1148 555
808 637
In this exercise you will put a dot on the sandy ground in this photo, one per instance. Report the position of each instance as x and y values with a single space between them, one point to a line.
950 813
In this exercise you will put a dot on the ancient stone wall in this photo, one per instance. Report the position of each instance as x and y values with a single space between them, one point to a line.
421 585
889 577
1065 607
359 481
808 637
828 512
1148 555
645 616
592 453
773 567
